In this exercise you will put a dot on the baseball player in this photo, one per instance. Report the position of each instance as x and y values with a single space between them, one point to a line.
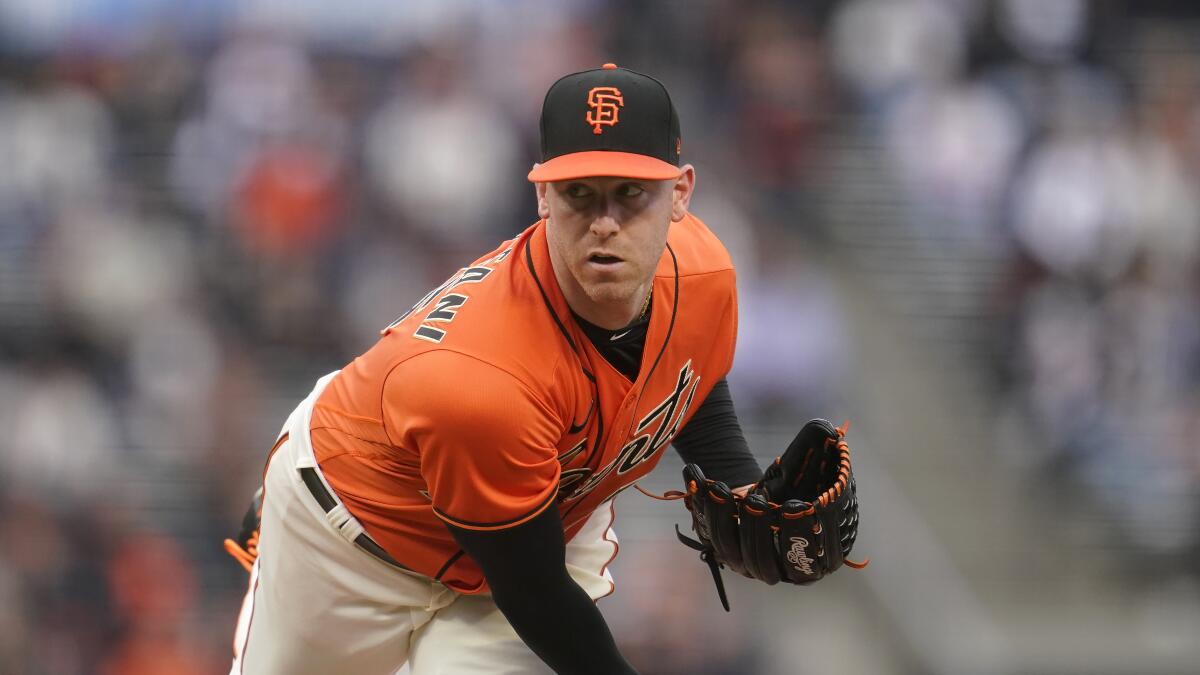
445 500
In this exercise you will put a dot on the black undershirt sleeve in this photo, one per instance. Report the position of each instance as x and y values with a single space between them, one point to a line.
714 440
526 569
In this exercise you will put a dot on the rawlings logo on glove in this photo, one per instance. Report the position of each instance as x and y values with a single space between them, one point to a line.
796 556
796 524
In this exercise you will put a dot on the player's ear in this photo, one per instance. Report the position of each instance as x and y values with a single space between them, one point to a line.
681 192
543 206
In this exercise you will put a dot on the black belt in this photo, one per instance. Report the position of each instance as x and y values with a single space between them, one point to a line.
327 502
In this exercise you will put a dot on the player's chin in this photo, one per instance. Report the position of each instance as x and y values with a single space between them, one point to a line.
609 291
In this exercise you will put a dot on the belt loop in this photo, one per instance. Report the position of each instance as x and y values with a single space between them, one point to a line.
346 524
341 519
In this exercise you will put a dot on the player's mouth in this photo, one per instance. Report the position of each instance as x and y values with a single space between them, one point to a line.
604 261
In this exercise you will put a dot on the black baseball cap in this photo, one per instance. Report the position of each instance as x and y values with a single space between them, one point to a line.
608 121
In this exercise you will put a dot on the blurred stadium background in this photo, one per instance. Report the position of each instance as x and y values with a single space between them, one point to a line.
970 226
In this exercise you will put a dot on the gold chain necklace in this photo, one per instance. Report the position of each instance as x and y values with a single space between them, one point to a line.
646 304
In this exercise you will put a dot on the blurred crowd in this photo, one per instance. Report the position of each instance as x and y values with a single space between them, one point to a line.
1063 137
200 217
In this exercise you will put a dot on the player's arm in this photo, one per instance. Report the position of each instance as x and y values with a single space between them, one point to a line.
714 441
525 567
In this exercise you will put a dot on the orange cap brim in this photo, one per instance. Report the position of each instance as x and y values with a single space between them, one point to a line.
603 163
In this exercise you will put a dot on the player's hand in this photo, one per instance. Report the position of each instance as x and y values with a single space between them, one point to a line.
244 548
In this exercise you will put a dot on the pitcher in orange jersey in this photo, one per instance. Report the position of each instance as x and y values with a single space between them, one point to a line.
445 499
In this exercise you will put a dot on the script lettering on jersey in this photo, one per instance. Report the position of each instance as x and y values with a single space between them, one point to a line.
448 305
659 426
570 477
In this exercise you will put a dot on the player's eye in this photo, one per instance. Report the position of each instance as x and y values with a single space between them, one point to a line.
630 190
578 191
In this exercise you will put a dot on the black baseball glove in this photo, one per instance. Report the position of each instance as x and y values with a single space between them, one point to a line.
796 524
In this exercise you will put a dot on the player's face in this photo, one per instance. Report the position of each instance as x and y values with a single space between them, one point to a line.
606 235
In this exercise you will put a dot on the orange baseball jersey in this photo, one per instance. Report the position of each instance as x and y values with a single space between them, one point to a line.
485 403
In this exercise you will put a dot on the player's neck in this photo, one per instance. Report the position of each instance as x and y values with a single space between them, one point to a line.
609 314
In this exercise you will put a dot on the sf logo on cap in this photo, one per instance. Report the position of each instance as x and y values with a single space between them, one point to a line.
604 103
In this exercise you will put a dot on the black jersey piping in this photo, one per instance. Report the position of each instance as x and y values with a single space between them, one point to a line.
498 525
449 563
578 427
546 299
599 433
674 309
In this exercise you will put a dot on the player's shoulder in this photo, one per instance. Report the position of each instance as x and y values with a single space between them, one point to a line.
490 319
697 250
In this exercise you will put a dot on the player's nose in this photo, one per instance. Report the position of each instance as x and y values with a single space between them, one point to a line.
605 225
